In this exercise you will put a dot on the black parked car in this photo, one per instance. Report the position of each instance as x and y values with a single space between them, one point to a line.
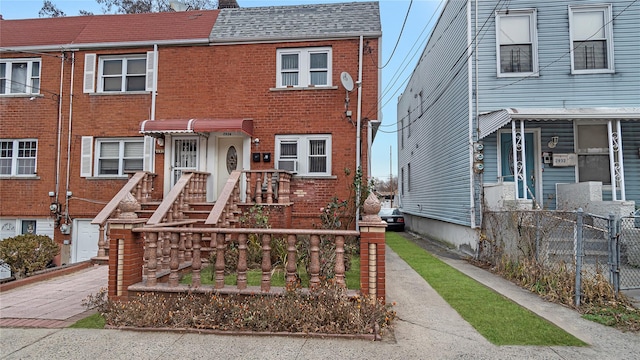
393 217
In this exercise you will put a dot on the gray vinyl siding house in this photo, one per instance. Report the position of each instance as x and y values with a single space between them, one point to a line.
562 78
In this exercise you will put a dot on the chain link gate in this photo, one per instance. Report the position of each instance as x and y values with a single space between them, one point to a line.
626 254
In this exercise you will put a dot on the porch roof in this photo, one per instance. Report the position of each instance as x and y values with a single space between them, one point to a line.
494 120
169 126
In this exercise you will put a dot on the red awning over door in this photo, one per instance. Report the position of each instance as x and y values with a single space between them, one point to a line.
151 127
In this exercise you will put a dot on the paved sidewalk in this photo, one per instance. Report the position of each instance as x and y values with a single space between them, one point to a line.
427 328
53 303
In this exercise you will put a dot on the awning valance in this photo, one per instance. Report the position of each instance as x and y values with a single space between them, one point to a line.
492 121
169 126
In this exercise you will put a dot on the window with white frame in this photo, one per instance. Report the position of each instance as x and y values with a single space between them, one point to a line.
516 42
18 157
122 74
593 153
304 67
116 157
304 154
19 76
591 39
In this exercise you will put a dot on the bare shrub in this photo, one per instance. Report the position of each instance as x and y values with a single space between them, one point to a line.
326 309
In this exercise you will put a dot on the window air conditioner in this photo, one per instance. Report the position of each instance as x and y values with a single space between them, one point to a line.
288 165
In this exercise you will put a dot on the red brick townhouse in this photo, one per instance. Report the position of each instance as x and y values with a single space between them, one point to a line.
86 101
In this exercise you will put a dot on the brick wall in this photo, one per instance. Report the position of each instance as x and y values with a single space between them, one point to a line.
227 81
126 257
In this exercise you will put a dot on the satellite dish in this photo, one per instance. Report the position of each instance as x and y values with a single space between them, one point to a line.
346 80
178 6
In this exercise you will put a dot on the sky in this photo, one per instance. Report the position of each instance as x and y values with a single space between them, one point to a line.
397 69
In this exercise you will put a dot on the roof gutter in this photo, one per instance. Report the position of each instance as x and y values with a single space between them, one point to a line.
574 116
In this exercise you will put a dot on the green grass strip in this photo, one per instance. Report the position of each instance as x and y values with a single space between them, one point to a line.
498 319
95 321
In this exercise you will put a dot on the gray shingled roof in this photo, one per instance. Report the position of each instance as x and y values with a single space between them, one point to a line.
275 23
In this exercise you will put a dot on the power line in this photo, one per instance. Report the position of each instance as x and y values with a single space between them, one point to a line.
537 73
462 55
399 36
401 69
411 111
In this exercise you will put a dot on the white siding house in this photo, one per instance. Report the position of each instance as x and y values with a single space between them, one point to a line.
561 78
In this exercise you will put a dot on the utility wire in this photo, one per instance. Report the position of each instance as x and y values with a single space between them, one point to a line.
411 111
458 61
396 76
401 68
537 73
399 36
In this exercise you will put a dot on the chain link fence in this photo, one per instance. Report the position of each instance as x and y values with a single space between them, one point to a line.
629 252
553 248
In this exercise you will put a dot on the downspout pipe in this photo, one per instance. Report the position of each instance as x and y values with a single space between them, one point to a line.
470 94
73 66
59 136
154 93
358 130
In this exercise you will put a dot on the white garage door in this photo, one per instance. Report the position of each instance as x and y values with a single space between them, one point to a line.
85 240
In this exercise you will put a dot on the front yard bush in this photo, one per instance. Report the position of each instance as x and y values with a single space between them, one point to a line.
25 254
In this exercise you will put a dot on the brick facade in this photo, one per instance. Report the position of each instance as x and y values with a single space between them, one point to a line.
126 258
221 81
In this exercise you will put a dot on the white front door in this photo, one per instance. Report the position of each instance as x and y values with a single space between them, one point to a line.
229 159
185 156
85 241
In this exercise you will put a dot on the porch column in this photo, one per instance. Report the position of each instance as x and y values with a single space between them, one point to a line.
519 159
616 163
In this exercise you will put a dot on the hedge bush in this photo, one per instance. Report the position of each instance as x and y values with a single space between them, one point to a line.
27 253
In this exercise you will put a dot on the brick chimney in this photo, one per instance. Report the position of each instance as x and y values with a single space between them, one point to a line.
228 4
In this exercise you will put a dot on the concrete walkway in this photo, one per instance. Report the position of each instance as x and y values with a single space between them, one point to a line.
427 328
54 303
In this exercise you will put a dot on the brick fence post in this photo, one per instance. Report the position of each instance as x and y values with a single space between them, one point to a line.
126 256
372 250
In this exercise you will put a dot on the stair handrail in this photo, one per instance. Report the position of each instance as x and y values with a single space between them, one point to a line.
177 199
133 184
226 199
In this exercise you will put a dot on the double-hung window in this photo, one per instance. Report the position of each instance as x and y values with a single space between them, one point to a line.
304 154
516 43
18 157
19 76
593 153
117 74
304 67
591 39
122 74
116 157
